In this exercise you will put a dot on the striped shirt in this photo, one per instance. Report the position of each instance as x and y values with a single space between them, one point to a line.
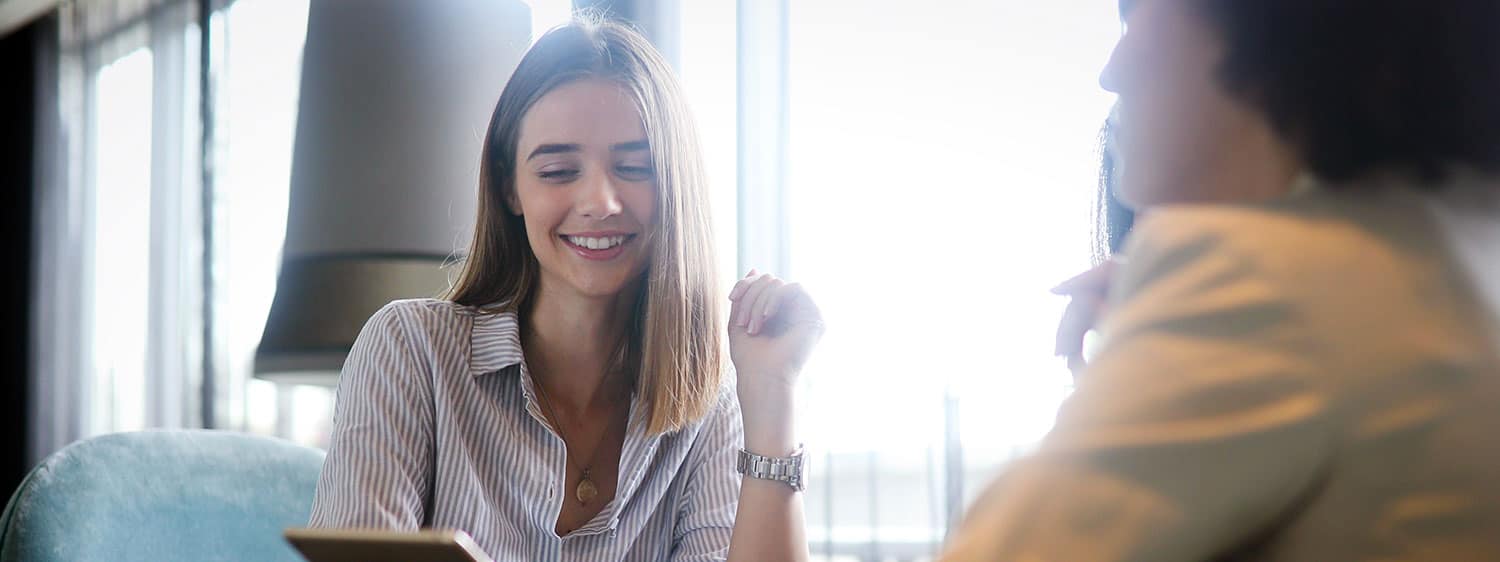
436 425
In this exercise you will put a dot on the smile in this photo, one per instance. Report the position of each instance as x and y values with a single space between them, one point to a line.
597 242
598 247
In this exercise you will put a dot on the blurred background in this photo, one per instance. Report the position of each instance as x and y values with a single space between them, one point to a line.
187 182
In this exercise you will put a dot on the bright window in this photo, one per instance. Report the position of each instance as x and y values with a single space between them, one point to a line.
256 118
122 242
709 82
940 167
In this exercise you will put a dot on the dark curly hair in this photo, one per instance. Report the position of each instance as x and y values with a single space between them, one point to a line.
1362 86
1112 220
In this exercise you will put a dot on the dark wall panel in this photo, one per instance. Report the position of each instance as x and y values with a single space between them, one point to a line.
18 76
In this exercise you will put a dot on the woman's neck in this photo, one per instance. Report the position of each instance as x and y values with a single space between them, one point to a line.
570 343
1258 167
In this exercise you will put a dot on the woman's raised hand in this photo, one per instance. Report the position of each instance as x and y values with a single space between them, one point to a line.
1089 294
773 327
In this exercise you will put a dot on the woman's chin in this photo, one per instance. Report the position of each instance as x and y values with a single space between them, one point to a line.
600 287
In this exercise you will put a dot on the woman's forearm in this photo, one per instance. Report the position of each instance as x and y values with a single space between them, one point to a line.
768 524
773 328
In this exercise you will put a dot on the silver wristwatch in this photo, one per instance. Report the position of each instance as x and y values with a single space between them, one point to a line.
791 470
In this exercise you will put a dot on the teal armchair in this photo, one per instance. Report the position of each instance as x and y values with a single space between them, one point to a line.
162 496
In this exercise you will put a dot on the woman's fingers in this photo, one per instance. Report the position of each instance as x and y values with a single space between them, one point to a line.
1093 281
758 312
748 298
773 304
736 296
740 287
735 304
1078 318
1089 293
761 299
756 299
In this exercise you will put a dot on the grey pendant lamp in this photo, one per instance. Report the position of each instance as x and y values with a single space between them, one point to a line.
395 98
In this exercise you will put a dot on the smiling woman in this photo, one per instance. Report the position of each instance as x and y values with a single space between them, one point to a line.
606 176
570 109
570 388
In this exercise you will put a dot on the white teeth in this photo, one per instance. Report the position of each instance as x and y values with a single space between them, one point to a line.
596 243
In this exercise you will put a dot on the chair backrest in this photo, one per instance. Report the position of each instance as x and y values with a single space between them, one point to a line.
162 496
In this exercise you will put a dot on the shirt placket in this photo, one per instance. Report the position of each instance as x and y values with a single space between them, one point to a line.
639 451
556 453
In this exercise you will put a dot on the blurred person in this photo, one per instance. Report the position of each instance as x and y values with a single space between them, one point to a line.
1300 360
565 400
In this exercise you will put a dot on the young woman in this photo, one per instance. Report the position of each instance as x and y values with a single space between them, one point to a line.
1301 357
565 402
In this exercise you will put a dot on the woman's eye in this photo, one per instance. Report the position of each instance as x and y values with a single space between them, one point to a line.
557 175
635 173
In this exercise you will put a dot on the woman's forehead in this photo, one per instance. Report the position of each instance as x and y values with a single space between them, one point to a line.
586 112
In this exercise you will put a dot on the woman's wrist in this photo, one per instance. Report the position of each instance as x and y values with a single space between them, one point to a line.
768 413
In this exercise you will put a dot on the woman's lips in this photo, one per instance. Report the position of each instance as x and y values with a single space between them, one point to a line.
598 246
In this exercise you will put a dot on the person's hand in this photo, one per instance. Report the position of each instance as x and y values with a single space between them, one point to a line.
773 327
1089 296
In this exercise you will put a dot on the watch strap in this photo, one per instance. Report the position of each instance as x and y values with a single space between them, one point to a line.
791 470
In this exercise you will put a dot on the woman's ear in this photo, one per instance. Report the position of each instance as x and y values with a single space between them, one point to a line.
513 203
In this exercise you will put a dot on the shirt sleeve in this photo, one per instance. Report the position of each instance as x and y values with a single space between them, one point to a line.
705 520
1198 426
378 472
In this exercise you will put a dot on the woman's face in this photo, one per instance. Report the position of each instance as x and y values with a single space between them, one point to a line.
586 188
1175 126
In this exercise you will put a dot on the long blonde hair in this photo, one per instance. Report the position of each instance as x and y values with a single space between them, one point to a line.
672 350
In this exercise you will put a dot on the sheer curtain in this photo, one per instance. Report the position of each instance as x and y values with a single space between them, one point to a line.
121 281
934 179
119 272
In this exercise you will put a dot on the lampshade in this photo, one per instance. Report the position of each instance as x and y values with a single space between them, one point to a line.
395 98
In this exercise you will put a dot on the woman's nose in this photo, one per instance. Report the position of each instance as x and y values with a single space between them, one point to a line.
1112 74
599 198
1109 78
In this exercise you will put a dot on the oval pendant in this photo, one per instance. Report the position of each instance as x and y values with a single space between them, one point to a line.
586 490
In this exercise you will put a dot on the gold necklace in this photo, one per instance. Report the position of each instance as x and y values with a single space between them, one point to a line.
586 490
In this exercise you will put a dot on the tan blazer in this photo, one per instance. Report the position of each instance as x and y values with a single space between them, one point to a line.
1315 380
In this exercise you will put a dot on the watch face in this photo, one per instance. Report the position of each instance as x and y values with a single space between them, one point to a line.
799 470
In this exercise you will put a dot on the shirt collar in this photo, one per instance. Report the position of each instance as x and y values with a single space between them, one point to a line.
494 343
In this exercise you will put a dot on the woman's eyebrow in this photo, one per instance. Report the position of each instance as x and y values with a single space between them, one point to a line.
553 149
631 146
